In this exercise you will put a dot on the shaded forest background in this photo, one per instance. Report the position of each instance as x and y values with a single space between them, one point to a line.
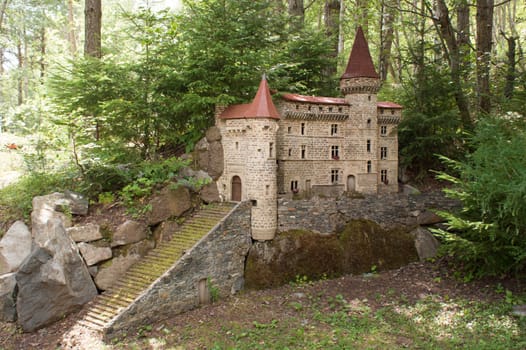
108 92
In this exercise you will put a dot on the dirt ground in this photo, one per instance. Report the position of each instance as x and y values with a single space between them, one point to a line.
413 282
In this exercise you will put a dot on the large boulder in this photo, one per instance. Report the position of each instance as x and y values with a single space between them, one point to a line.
15 246
112 270
215 160
53 281
93 254
209 193
426 244
428 218
44 210
213 134
169 203
8 297
85 233
77 204
130 232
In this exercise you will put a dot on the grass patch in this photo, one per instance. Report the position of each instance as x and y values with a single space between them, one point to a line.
335 323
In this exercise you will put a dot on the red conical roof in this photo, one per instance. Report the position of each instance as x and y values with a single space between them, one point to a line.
360 63
261 106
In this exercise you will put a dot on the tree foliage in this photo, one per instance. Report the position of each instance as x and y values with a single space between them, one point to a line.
488 236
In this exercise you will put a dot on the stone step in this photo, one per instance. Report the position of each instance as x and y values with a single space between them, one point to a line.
141 275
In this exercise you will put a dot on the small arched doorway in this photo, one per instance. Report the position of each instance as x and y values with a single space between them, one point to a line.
351 184
236 189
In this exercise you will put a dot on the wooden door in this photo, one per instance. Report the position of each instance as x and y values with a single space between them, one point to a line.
351 185
236 189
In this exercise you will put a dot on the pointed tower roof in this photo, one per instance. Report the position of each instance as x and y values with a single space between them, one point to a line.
261 106
360 64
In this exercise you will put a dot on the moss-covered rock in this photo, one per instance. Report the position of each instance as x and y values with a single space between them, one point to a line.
359 246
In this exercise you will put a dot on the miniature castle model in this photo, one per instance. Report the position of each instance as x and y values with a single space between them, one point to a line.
310 144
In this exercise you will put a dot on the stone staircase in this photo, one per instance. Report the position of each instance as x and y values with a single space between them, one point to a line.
140 276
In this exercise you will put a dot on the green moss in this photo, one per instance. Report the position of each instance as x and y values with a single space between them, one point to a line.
361 245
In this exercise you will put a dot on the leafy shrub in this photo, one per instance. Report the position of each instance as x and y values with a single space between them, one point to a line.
149 176
488 236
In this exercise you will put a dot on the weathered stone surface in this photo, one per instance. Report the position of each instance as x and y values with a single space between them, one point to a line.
140 248
410 190
129 232
78 204
215 160
519 310
356 249
44 210
324 215
169 203
8 297
165 231
111 271
201 154
213 134
53 281
428 218
219 258
425 243
85 233
15 246
93 254
209 193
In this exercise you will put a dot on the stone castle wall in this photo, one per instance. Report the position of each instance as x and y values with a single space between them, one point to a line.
326 215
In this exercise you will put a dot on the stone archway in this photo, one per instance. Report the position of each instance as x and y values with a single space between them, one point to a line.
236 189
351 183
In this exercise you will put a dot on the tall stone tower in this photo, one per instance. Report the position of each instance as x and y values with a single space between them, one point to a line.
360 84
249 134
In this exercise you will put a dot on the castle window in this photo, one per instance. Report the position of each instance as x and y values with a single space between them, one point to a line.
271 150
369 167
303 128
335 154
254 202
334 129
289 129
392 111
383 152
237 146
368 123
297 107
320 108
294 186
267 187
369 97
309 108
290 152
330 109
383 176
340 109
383 130
334 176
303 151
381 111
368 145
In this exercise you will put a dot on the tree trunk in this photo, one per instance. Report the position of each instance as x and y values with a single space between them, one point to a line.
20 58
386 36
42 53
484 45
442 21
296 13
3 7
71 30
331 13
512 62
92 33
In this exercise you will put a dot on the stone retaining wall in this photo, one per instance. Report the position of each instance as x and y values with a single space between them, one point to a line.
216 263
327 215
